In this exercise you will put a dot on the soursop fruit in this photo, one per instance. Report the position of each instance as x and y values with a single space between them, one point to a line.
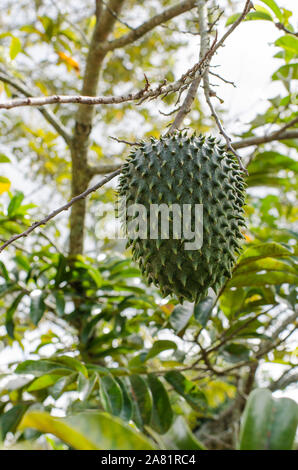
178 169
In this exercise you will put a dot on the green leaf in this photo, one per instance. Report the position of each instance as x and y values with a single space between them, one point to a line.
288 42
10 420
275 8
9 324
72 363
111 395
4 271
270 163
37 307
268 423
44 381
203 310
158 347
60 303
231 301
263 250
90 430
268 264
286 72
142 400
60 385
180 437
38 368
255 15
61 270
262 279
15 47
4 158
162 413
187 389
14 204
180 317
235 352
127 407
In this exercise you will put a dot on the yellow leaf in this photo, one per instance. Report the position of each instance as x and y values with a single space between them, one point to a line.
4 184
69 61
247 237
168 308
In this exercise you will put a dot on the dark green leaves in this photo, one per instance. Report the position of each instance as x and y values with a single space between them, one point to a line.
162 414
203 310
263 264
10 312
142 400
180 317
187 389
160 346
38 368
180 437
10 420
111 395
37 307
268 423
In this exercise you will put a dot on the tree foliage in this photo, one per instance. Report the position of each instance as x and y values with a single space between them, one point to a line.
92 355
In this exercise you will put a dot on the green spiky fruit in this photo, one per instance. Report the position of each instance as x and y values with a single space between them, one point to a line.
186 170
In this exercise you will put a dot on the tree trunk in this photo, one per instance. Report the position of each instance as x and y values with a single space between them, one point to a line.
106 18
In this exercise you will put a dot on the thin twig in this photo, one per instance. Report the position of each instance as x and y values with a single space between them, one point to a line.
65 207
203 28
248 6
285 135
286 30
220 127
114 14
222 78
208 92
121 141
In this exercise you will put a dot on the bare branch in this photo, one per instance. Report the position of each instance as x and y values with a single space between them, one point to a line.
208 93
65 207
147 92
219 125
121 141
286 135
192 91
48 115
114 14
222 78
147 26
284 381
286 30
248 6
162 90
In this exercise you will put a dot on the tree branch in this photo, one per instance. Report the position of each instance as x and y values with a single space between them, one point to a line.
65 207
147 26
286 135
66 99
286 30
192 91
207 91
83 121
